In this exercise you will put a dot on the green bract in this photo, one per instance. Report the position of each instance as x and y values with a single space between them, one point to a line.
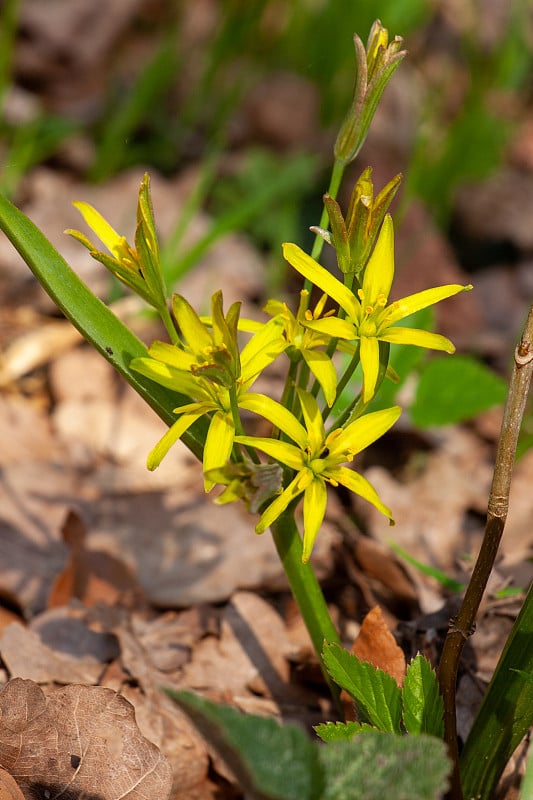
209 369
369 318
317 459
354 236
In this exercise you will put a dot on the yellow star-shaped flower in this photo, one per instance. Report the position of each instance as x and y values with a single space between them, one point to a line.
369 317
317 459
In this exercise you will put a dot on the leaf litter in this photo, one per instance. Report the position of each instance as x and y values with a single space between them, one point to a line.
114 582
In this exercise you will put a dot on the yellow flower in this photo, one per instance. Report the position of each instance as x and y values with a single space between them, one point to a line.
138 267
369 318
209 369
317 458
302 343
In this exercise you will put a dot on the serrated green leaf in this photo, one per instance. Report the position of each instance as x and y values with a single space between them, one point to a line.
341 731
377 766
376 694
270 762
91 317
423 707
453 389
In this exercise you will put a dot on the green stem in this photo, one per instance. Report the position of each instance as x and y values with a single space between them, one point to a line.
305 589
462 627
166 319
334 184
335 181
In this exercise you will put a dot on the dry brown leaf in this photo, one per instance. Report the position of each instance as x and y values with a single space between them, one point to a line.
80 741
26 656
9 789
91 576
376 644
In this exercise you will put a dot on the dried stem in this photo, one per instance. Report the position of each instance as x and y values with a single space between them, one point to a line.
462 626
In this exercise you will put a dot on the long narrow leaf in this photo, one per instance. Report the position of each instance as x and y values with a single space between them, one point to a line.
506 713
90 316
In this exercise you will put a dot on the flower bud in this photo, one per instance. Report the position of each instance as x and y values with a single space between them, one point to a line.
374 68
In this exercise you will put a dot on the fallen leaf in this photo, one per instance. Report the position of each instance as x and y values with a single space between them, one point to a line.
80 741
9 789
91 576
376 645
25 656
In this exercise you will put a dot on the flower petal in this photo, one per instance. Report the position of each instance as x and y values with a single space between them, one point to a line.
414 302
316 433
334 327
322 368
283 452
174 433
171 355
280 504
365 430
197 336
356 483
176 379
314 272
420 338
379 271
315 501
218 444
100 226
262 349
278 415
369 355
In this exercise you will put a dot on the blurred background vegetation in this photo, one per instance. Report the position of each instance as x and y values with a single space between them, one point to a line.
247 96
178 82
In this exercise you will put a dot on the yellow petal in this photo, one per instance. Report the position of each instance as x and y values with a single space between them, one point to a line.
334 327
197 336
359 485
280 504
262 349
283 452
313 422
314 272
415 302
322 368
369 354
365 430
171 437
379 271
100 226
277 414
420 338
218 444
315 501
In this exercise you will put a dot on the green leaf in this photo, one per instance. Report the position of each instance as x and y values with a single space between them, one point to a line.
526 790
377 766
527 676
92 318
423 707
454 389
376 694
505 714
341 731
270 762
